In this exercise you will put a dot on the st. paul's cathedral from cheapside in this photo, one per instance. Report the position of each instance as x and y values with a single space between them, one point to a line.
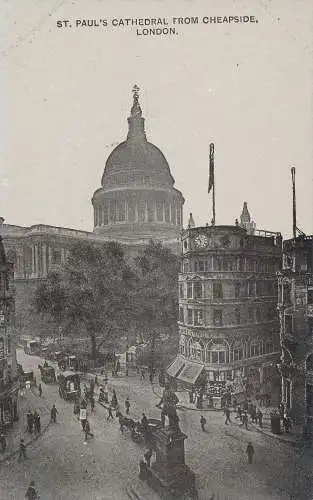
137 202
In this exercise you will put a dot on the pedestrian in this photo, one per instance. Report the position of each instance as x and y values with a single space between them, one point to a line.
203 422
30 422
37 422
92 403
260 418
110 415
114 399
96 380
53 414
239 412
250 452
148 456
40 390
3 443
22 450
253 415
31 493
286 424
87 430
227 413
142 374
127 405
244 421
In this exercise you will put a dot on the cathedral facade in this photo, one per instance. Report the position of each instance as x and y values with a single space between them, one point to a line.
137 202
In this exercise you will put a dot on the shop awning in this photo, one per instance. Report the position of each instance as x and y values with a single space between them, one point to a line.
176 367
190 372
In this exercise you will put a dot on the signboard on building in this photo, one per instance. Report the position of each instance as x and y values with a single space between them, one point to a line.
2 348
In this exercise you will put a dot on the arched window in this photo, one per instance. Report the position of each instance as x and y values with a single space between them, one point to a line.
218 353
197 351
309 363
255 348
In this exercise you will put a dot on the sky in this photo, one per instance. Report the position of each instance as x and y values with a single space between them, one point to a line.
66 96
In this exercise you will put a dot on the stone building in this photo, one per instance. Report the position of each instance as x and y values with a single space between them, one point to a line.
228 321
295 305
136 202
8 368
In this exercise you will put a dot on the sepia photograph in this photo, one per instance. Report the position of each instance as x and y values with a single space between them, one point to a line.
156 250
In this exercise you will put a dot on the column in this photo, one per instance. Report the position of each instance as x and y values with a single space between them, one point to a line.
126 210
36 260
49 256
44 259
146 211
33 260
62 255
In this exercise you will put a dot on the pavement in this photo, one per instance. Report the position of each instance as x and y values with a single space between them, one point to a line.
64 467
30 402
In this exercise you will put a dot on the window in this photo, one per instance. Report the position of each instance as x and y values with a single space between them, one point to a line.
237 289
113 210
198 315
186 266
121 206
258 315
217 317
241 265
238 354
105 214
288 325
181 290
217 290
142 211
201 265
198 290
167 212
218 263
269 347
150 211
237 316
218 354
255 349
251 314
310 296
181 314
159 210
56 256
189 290
251 289
178 215
189 316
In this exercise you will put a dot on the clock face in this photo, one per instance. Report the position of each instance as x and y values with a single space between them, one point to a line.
201 241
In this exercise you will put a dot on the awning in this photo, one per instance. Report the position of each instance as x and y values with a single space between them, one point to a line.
190 372
176 367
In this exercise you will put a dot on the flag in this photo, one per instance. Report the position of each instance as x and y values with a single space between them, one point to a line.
211 168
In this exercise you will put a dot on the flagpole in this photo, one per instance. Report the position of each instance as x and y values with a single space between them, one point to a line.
294 209
212 181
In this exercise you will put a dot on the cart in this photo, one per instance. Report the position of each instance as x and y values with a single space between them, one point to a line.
69 385
47 374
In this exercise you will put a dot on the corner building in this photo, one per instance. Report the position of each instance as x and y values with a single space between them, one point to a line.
9 383
228 320
295 305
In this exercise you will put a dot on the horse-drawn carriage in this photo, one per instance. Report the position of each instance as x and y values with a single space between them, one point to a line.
69 385
140 432
47 374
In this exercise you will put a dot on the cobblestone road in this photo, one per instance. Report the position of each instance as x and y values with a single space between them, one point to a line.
66 468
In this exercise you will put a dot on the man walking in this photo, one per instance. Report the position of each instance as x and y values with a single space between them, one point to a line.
148 456
87 431
127 405
30 422
227 413
260 418
202 422
244 420
22 450
31 493
110 415
3 443
37 422
142 374
53 413
40 390
250 452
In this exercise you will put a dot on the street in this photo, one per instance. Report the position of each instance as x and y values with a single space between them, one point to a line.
64 467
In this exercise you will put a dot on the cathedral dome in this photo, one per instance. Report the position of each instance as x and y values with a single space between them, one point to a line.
137 162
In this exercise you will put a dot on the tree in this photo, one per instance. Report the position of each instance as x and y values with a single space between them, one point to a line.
157 297
95 286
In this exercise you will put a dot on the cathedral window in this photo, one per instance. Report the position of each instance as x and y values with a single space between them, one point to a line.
121 207
173 210
189 290
112 211
150 212
159 210
237 289
131 211
167 212
142 211
181 291
105 214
